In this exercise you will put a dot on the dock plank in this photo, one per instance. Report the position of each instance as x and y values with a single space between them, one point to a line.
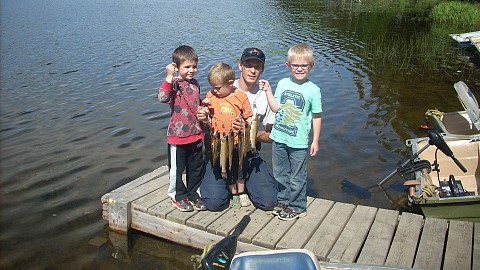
457 256
350 242
259 219
271 234
181 234
150 199
324 238
316 212
229 220
430 250
377 244
162 209
179 217
144 189
402 249
118 202
203 219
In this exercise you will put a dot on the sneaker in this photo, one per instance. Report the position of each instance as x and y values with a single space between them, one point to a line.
183 205
235 202
244 200
289 214
278 208
198 205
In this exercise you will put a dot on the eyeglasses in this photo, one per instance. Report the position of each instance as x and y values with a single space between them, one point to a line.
302 66
249 66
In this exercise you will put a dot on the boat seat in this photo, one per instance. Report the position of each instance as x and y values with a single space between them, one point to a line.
285 259
469 103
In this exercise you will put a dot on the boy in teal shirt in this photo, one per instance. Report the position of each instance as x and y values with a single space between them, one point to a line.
297 103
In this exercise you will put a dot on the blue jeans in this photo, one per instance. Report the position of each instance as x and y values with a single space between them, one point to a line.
260 186
290 171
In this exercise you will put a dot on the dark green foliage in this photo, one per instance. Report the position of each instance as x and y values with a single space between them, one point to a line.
457 13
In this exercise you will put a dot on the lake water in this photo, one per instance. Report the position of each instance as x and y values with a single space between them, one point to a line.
79 114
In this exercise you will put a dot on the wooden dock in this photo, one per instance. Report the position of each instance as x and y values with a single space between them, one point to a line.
341 235
476 43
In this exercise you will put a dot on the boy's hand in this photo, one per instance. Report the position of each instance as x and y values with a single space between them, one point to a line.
238 124
171 69
206 102
264 85
314 149
202 113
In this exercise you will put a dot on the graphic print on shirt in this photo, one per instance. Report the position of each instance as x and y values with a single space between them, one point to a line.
226 109
291 107
223 115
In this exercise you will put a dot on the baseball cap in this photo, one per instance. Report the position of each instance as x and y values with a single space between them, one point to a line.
253 53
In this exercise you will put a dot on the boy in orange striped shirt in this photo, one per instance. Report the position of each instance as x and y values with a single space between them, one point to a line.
226 103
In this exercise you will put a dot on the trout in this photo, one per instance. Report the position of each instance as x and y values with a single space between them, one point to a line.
231 143
223 156
207 141
216 148
240 148
253 132
246 139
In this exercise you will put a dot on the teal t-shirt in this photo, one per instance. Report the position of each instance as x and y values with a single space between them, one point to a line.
293 121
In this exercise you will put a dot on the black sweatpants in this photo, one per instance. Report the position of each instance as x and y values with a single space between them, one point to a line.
188 158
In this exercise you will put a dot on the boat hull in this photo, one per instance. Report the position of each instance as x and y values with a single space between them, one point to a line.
464 39
444 204
458 208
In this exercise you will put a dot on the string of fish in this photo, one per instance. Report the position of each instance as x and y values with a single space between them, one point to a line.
219 148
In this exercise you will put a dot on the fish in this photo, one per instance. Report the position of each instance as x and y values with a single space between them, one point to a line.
231 142
223 155
207 141
253 132
246 139
240 148
216 148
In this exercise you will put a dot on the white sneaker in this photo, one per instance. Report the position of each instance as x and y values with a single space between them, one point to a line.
244 200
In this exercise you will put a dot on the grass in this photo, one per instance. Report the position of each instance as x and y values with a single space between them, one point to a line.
456 13
446 12
418 53
400 5
422 43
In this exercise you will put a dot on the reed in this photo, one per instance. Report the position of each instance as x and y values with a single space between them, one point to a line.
400 5
417 54
400 35
456 13
418 51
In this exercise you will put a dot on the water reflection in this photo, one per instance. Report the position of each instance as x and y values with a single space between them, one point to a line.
79 115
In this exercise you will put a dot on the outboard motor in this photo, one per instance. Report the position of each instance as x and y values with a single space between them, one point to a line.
437 140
